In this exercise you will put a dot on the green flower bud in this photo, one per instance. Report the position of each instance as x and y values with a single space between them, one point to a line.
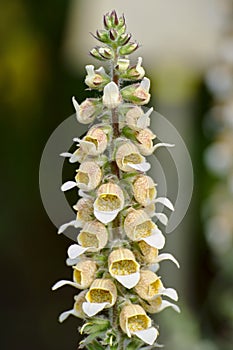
95 53
128 49
102 36
124 39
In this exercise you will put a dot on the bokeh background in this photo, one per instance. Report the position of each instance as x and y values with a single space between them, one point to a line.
187 47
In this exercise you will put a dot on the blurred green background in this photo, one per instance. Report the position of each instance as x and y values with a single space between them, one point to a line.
39 73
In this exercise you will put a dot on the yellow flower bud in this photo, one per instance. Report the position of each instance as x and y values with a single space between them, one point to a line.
85 211
84 273
109 201
144 190
133 318
88 176
102 290
129 158
94 235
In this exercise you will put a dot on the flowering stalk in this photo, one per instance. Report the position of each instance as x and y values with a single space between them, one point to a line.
117 254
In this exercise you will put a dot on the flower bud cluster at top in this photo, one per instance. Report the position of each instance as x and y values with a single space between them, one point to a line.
116 258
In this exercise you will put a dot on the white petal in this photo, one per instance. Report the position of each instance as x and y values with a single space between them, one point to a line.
145 84
148 335
111 96
156 240
141 167
75 250
74 158
68 185
62 283
167 256
154 267
171 293
143 122
90 70
162 145
73 223
165 201
65 314
162 218
91 309
72 262
87 147
106 216
166 304
76 139
83 194
66 154
128 281
76 105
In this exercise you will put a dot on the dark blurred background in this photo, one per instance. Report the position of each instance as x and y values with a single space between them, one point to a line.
39 72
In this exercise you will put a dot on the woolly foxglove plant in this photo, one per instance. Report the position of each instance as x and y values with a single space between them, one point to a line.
116 257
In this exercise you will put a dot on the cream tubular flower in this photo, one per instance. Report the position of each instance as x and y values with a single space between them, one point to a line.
145 143
94 236
123 267
134 321
109 202
129 158
77 310
144 190
88 176
111 96
150 286
96 79
151 255
158 304
83 275
85 211
136 119
102 294
142 92
139 227
86 111
95 142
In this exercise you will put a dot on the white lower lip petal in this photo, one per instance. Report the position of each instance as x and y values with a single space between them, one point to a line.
129 281
148 335
156 240
91 309
75 250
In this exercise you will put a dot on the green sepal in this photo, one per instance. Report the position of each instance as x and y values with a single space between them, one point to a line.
95 346
88 340
129 133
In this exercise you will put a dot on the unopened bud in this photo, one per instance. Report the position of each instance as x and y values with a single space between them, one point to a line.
95 53
113 34
102 35
124 39
128 49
